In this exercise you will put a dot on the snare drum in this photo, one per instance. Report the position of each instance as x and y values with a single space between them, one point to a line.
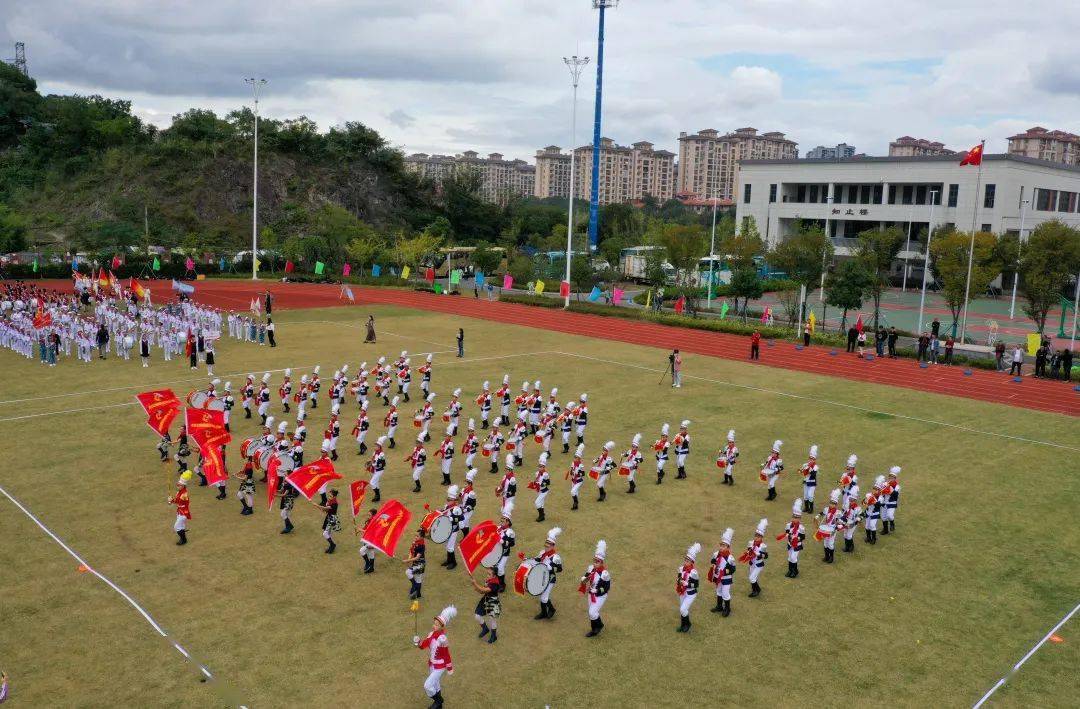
441 529
539 438
197 399
537 579
486 451
417 422
491 559
721 463
624 470
446 418
824 531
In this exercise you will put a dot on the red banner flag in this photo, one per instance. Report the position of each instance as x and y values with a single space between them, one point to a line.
115 262
564 289
386 529
42 318
357 491
161 407
207 428
973 156
103 280
680 305
859 324
483 538
289 267
137 288
112 280
308 479
272 479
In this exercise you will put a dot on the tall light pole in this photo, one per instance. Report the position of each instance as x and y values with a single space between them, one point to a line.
594 198
926 261
712 252
575 64
825 251
255 84
1019 245
907 244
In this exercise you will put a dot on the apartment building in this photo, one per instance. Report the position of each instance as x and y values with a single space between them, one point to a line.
709 161
500 179
907 147
627 173
1043 144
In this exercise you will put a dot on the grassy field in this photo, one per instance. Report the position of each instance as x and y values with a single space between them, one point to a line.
984 561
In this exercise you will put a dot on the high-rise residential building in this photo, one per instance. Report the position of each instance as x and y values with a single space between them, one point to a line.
906 147
841 151
627 173
500 179
1043 144
709 161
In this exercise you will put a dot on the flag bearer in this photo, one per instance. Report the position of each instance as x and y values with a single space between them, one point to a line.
183 507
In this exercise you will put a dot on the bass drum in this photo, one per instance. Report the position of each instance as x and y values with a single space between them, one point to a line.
286 464
537 579
244 446
262 457
197 399
491 559
441 529
215 404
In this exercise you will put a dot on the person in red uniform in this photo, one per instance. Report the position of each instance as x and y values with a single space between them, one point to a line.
439 661
755 345
183 507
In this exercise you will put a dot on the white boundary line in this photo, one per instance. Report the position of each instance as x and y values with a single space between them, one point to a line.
839 404
104 579
1016 668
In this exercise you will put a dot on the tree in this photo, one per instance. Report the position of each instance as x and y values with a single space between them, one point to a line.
522 269
486 260
472 219
1051 256
742 248
746 284
684 247
802 256
19 104
416 250
440 229
877 250
654 267
13 231
845 286
582 275
364 250
949 263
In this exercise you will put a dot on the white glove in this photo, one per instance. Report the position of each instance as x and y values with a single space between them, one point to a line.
416 640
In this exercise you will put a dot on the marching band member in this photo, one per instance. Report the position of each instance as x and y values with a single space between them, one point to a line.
851 515
342 385
246 493
507 488
301 397
631 459
581 414
493 446
546 433
452 510
228 401
182 450
522 403
507 540
686 586
391 422
722 573
662 446
566 424
333 432
285 390
552 408
468 502
425 376
361 428
163 446
872 504
404 378
439 662
297 450
381 375
550 558
536 405
331 522
503 394
727 458
367 552
183 507
446 452
516 442
361 387
426 413
541 484
830 521
483 400
488 608
470 445
576 474
415 564
314 385
416 460
849 482
755 555
601 468
264 397
771 469
794 535
399 363
809 472
682 449
891 495
595 585
288 495
453 410
247 395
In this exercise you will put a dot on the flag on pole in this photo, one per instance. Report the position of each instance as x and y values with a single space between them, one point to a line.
859 324
258 265
680 305
811 321
346 270
539 287
508 281
455 277
75 262
386 528
438 288
207 428
429 274
376 271
102 279
137 288
595 294
357 491
405 273
319 268
617 295
723 310
564 289
182 287
272 479
310 478
221 264
482 539
42 318
289 267
157 264
973 156
479 279
161 407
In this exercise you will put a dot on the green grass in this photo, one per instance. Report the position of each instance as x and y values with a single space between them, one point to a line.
984 562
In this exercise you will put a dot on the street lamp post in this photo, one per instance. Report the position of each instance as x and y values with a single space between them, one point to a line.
825 251
575 64
255 84
926 261
1019 245
907 245
712 255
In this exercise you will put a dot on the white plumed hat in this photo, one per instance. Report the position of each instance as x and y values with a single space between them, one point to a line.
431 396
776 446
363 406
266 377
429 358
879 481
471 475
282 427
580 450
553 534
601 550
665 429
472 424
584 397
487 384
813 451
447 615
796 508
525 385
326 444
337 374
609 445
726 538
894 471
228 386
692 552
380 441
536 384
731 435
508 509
554 392
408 361
404 353
684 424
395 400
452 492
761 527
852 460
269 422
288 372
543 458
506 379
457 392
215 381
510 460
303 379
834 496
344 368
315 370
636 440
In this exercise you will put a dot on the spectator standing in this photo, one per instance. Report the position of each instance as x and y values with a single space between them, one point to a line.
893 337
852 338
935 328
924 345
935 346
1055 364
1066 364
806 334
950 343
1017 361
270 328
999 355
461 342
861 338
676 369
268 302
1040 359
755 345
370 336
879 341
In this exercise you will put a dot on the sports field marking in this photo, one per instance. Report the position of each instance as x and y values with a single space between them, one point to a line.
1016 668
108 582
829 402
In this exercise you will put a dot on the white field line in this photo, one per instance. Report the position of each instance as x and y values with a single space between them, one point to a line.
966 429
1016 668
104 579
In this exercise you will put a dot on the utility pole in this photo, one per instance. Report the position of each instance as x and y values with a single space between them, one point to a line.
594 197
255 85
575 64
1019 245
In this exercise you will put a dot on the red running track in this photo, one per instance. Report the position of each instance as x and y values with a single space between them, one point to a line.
982 385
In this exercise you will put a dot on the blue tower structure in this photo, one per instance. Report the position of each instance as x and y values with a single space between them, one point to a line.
594 196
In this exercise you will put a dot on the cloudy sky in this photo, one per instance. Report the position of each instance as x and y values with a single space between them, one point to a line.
453 75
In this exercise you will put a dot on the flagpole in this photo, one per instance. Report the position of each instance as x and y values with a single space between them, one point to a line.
971 245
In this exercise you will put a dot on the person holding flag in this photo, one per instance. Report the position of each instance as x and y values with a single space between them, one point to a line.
367 551
182 501
439 661
331 521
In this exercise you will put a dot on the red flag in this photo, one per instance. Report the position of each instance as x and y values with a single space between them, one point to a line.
357 491
271 481
385 530
859 324
346 270
42 318
207 428
308 479
115 262
973 156
103 280
161 407
137 288
429 274
112 280
289 267
483 538
680 305
564 289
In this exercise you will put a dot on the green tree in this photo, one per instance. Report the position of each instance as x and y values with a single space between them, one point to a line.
522 269
416 250
802 256
876 251
845 286
949 264
741 248
19 104
13 231
684 246
746 284
582 275
1051 256
654 267
486 260
364 250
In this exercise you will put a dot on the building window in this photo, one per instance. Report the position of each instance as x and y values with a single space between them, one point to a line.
1065 201
1044 199
813 193
954 194
800 194
892 194
824 194
746 194
878 193
988 197
909 195
986 228
864 194
920 194
772 193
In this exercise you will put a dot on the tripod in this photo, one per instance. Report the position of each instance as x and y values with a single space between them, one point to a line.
667 372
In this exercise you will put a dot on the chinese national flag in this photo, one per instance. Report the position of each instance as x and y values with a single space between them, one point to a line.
308 479
271 481
161 407
680 305
357 490
973 156
386 529
103 280
116 262
564 289
482 539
